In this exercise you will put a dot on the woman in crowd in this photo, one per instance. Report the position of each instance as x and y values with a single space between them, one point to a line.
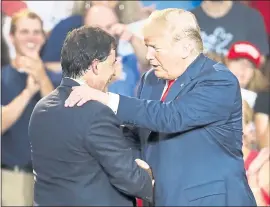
262 113
244 60
256 162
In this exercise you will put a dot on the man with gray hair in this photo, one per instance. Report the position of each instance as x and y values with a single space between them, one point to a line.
190 131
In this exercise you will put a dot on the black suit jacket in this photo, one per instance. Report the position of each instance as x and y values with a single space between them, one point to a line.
80 156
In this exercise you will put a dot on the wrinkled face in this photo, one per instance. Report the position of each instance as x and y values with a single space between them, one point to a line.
163 54
28 37
242 69
106 70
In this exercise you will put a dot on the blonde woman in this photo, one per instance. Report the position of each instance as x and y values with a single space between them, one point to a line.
244 60
256 162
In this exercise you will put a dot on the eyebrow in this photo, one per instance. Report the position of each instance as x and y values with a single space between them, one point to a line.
151 45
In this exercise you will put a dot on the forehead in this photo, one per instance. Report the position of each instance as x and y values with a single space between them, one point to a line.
155 33
93 17
242 61
26 22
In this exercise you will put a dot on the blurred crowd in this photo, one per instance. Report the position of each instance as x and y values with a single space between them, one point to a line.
236 34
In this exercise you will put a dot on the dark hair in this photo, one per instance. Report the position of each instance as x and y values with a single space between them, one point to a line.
81 47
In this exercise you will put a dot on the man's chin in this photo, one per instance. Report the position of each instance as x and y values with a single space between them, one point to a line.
31 54
159 74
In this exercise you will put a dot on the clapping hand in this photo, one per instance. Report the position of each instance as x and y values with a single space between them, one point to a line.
31 66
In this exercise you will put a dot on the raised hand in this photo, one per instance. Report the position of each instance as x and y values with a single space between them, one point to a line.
32 86
31 66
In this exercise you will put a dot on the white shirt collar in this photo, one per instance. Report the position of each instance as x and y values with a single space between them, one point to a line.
80 81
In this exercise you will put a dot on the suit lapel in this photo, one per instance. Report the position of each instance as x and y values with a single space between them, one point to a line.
157 89
192 71
176 88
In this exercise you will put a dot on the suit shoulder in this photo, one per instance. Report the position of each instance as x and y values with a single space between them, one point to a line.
99 109
219 72
101 113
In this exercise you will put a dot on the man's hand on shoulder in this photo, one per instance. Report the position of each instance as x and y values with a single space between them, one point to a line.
81 94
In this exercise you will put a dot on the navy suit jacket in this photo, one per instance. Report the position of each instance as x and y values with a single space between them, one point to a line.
80 156
193 141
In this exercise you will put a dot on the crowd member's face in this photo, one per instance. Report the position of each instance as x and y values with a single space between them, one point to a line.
242 69
102 17
111 4
104 71
248 132
164 55
28 37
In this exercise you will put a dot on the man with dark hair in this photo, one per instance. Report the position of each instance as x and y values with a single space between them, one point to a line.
84 159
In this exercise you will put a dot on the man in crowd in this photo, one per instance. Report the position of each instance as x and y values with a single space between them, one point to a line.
187 117
80 155
23 83
225 22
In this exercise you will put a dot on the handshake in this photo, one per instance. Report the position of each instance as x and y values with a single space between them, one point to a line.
142 164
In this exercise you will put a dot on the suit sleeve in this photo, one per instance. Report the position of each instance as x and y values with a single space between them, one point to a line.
116 155
209 102
131 132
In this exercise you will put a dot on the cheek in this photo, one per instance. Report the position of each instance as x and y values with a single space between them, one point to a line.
19 40
158 57
236 71
109 71
163 58
39 40
248 74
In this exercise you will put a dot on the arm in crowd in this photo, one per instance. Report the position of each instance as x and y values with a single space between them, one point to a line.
12 112
36 69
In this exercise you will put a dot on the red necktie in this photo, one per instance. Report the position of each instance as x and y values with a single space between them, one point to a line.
170 82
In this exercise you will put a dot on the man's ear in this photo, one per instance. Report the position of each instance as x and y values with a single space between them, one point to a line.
94 67
186 48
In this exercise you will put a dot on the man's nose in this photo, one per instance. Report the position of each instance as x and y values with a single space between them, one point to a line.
149 54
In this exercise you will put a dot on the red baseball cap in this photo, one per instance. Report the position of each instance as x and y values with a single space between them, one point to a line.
245 50
11 7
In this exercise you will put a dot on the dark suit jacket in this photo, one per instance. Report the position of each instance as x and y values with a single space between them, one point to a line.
193 141
80 156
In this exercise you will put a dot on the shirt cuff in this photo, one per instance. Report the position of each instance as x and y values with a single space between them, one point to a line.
113 101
